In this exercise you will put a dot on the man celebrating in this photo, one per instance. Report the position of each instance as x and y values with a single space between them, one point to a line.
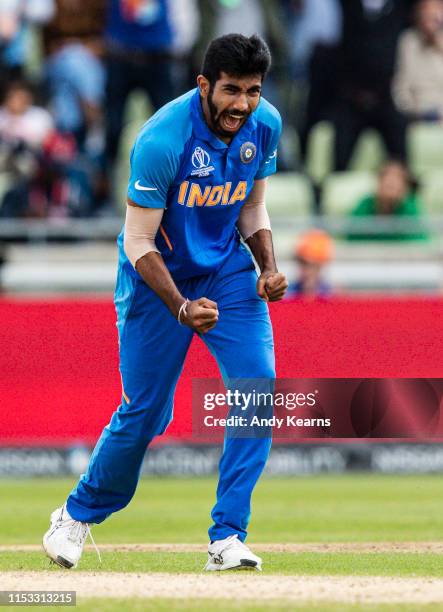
198 176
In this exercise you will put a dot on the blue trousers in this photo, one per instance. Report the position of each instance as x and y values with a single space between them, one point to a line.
153 347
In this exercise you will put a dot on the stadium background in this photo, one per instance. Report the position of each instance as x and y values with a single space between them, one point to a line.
60 382
351 524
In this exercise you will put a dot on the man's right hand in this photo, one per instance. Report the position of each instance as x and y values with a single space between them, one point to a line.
201 315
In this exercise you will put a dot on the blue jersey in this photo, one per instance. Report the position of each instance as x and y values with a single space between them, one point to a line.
179 164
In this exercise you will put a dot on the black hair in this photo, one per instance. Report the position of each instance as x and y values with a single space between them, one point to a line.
237 55
16 85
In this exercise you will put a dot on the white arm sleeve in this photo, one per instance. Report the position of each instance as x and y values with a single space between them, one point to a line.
253 215
141 227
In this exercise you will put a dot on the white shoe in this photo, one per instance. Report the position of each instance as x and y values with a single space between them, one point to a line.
231 553
65 538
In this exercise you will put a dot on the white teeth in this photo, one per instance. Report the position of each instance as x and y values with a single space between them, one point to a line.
232 121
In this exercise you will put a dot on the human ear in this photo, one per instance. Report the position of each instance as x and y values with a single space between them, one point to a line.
203 85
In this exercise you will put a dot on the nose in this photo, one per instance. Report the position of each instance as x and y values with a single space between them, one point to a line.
242 103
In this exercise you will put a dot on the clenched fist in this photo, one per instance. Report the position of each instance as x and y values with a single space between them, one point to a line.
271 286
201 315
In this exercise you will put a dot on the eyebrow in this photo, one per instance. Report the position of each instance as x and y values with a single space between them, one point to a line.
237 88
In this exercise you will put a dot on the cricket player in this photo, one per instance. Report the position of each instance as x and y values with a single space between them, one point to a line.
197 186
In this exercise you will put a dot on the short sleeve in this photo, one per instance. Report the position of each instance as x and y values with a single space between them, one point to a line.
153 169
269 163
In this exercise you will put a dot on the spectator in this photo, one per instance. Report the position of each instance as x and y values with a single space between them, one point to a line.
75 77
370 32
317 23
20 120
316 36
45 174
395 196
418 83
15 17
139 39
313 252
23 130
74 69
185 23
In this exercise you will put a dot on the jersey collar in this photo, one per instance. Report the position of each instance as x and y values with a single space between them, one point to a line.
203 132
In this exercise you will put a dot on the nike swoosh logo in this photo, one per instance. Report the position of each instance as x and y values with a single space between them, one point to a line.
271 157
141 188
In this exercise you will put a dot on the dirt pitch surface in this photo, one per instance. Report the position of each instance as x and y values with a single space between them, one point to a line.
237 586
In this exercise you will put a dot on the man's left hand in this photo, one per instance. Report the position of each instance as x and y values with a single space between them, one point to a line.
271 286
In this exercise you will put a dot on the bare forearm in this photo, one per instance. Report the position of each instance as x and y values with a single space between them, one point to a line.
154 272
201 315
262 249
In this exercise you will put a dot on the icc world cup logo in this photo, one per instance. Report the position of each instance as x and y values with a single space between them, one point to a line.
200 158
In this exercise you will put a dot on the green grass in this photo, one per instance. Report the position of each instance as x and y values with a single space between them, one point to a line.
320 509
323 564
349 508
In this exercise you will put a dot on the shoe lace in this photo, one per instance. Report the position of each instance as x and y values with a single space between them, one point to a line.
93 543
79 532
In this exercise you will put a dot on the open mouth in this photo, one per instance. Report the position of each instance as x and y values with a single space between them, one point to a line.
231 122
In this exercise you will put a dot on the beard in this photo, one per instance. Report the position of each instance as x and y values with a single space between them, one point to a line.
216 117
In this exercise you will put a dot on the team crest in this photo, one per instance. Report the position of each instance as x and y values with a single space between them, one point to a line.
248 151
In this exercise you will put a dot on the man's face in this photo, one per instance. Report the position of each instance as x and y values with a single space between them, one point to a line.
393 185
309 272
430 17
18 101
228 104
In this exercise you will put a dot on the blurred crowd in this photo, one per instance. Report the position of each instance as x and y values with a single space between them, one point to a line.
357 64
